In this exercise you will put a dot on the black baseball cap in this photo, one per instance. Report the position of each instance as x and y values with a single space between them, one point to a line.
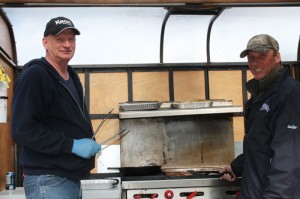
59 24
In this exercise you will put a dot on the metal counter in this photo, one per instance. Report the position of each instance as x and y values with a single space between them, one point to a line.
175 183
179 112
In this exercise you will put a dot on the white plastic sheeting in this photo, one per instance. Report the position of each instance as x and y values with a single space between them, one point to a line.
124 35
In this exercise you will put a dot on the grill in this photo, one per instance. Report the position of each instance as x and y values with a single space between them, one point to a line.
182 142
178 185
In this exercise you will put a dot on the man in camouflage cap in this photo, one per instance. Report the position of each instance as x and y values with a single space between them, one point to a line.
258 48
270 162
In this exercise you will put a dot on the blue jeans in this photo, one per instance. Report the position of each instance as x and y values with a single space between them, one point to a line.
51 187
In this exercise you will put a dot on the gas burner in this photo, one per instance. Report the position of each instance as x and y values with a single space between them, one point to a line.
175 174
191 173
195 172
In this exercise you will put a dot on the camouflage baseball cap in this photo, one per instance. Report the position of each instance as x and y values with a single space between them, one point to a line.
260 43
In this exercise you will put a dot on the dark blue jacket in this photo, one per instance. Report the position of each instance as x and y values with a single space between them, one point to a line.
46 119
270 163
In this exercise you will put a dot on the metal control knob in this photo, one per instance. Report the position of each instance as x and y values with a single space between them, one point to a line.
169 194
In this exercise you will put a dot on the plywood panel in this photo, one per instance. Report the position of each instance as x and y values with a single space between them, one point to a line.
150 86
109 128
238 122
238 128
107 90
81 77
226 85
189 85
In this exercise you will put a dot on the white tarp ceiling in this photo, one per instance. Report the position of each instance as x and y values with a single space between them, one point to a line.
121 35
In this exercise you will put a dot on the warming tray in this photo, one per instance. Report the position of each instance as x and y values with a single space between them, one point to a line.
139 105
192 105
221 102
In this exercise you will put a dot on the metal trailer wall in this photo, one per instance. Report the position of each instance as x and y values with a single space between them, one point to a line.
8 62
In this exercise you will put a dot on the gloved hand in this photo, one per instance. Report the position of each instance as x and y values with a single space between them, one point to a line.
85 147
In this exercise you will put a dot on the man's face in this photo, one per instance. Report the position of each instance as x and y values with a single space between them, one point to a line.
262 64
60 47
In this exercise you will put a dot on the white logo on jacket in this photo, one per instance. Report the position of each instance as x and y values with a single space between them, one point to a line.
292 126
265 107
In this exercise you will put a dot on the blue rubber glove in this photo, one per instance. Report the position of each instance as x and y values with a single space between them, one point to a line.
85 147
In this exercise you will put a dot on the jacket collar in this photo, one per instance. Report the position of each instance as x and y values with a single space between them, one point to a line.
255 87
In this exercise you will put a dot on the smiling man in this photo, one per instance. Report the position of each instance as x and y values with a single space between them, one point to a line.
270 162
263 56
50 119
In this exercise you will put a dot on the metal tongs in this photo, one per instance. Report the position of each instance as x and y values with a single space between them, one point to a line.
100 125
117 135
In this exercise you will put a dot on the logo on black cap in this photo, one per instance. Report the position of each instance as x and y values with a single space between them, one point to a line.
59 24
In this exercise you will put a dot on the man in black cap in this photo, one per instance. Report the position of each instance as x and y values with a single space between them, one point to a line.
270 162
50 119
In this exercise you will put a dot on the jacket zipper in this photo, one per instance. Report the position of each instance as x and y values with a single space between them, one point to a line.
77 104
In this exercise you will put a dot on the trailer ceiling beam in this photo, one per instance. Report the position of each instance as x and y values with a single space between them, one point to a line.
232 3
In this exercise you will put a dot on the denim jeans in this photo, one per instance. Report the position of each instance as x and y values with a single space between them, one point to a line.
51 187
